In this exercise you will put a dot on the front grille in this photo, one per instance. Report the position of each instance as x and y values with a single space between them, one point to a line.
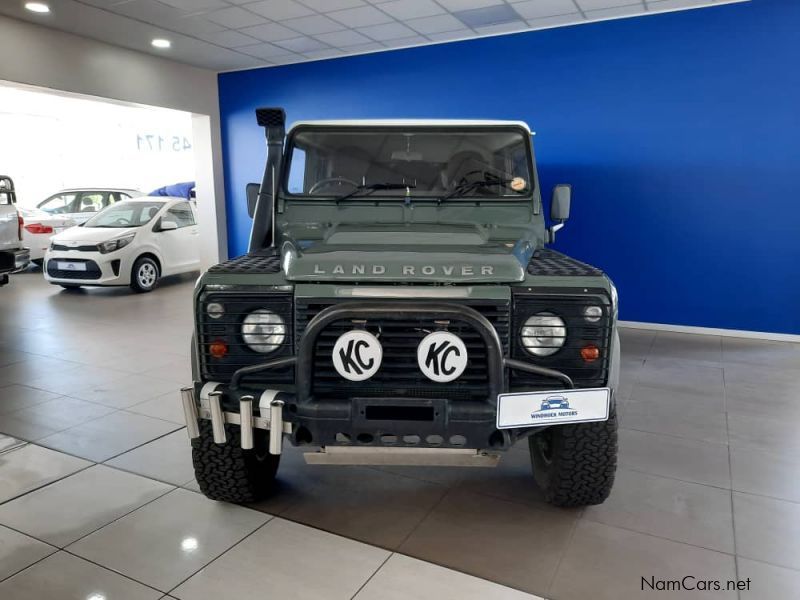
400 375
63 248
579 333
92 270
228 329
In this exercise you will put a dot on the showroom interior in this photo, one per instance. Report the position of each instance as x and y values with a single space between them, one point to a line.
159 229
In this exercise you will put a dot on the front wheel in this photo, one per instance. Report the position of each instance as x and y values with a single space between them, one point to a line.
228 473
574 465
144 275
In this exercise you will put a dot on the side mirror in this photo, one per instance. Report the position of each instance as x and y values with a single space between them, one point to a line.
559 207
168 226
252 198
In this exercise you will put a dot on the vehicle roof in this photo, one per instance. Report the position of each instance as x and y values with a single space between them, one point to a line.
411 123
151 199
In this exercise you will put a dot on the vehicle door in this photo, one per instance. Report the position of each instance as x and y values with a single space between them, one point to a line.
179 245
9 220
88 204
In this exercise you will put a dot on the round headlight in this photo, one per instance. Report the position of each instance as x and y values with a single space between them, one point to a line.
543 334
592 313
215 310
263 331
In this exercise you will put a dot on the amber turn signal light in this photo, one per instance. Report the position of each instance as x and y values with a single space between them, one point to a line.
590 353
218 349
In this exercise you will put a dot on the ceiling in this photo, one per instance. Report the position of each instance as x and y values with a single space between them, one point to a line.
238 34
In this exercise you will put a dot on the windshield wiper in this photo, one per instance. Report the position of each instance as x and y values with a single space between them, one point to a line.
370 188
467 186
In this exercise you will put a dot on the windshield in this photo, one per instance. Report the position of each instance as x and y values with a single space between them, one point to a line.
440 163
125 214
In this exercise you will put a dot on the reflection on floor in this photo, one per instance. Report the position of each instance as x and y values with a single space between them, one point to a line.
102 503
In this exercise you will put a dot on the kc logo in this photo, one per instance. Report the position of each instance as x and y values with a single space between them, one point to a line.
357 355
442 356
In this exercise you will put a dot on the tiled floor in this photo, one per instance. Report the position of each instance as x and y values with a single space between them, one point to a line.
102 503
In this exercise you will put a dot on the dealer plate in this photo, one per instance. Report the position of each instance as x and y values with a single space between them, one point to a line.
523 409
71 266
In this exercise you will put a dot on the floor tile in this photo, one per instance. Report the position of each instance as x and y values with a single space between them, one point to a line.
15 397
29 467
168 540
682 377
464 531
636 342
404 578
693 416
765 474
62 576
765 434
768 582
168 458
47 418
75 506
608 563
697 349
7 442
782 355
372 506
167 407
35 368
767 529
127 391
685 512
678 458
286 560
18 551
109 436
762 392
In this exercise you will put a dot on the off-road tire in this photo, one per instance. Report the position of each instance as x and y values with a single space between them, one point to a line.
578 467
145 282
228 473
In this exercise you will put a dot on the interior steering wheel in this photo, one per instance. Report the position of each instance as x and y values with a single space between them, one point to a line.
332 180
121 221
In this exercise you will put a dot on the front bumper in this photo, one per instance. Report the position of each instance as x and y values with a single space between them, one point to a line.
100 269
369 421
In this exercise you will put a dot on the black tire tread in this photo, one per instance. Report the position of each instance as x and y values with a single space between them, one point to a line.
226 472
583 465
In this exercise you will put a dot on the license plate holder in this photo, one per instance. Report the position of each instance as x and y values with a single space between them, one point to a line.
64 265
527 409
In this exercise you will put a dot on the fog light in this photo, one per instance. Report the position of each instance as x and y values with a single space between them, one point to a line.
218 349
590 353
592 313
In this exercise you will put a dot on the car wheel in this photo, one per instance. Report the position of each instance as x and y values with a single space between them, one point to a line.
574 465
144 275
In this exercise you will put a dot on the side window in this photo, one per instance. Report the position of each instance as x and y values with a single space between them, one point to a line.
182 215
297 172
57 205
91 202
113 197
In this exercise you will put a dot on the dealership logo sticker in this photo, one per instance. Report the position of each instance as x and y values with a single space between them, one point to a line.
357 355
442 356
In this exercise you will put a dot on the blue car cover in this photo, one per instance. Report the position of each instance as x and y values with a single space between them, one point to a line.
176 190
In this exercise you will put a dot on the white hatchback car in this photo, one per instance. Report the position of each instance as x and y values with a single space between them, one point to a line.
133 242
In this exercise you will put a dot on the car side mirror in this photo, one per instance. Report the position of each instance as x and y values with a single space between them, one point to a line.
559 207
252 198
168 226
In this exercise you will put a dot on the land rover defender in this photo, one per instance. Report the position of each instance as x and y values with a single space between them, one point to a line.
398 306
13 257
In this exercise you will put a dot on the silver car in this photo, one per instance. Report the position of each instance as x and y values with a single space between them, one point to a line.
12 255
80 204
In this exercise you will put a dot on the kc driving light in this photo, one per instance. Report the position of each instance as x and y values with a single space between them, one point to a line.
543 334
263 331
112 245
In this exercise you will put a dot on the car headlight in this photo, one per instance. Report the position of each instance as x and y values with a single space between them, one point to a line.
115 244
263 331
543 334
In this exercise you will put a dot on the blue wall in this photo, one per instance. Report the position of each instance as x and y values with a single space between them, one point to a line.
680 133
